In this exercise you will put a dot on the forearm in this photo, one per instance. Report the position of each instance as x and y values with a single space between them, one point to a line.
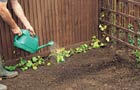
19 12
6 16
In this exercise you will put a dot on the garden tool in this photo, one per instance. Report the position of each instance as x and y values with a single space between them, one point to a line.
29 43
4 73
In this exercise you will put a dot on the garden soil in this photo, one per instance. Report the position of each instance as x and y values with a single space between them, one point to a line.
98 69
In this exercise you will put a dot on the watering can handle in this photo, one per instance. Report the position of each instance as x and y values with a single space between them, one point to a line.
23 33
16 37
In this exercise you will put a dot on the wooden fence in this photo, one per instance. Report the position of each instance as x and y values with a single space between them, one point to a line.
67 22
123 20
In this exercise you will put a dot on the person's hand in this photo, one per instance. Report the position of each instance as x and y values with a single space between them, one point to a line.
30 28
17 31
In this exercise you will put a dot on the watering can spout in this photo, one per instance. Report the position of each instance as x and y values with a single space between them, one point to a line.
50 43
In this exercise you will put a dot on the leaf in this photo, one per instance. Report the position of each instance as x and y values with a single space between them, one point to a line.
19 65
72 51
10 68
102 27
137 53
102 44
102 15
137 60
96 45
107 39
22 61
78 50
29 64
34 67
48 64
24 68
38 56
130 26
39 62
138 41
43 62
34 59
60 59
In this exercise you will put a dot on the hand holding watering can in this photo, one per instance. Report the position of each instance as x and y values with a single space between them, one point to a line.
29 43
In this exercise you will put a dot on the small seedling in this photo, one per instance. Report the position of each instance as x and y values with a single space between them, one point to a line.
49 64
24 65
96 43
102 27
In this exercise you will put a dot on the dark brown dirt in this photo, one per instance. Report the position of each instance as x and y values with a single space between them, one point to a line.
98 69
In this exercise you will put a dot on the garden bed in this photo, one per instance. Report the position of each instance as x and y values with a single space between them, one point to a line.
98 69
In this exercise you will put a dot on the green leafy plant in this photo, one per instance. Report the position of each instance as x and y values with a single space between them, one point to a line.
13 67
10 68
130 26
96 43
130 37
24 65
82 48
59 54
62 53
102 27
138 26
137 56
49 64
102 15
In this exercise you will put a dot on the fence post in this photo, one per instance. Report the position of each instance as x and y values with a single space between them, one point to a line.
99 33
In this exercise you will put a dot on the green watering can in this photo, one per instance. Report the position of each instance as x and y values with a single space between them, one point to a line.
29 43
